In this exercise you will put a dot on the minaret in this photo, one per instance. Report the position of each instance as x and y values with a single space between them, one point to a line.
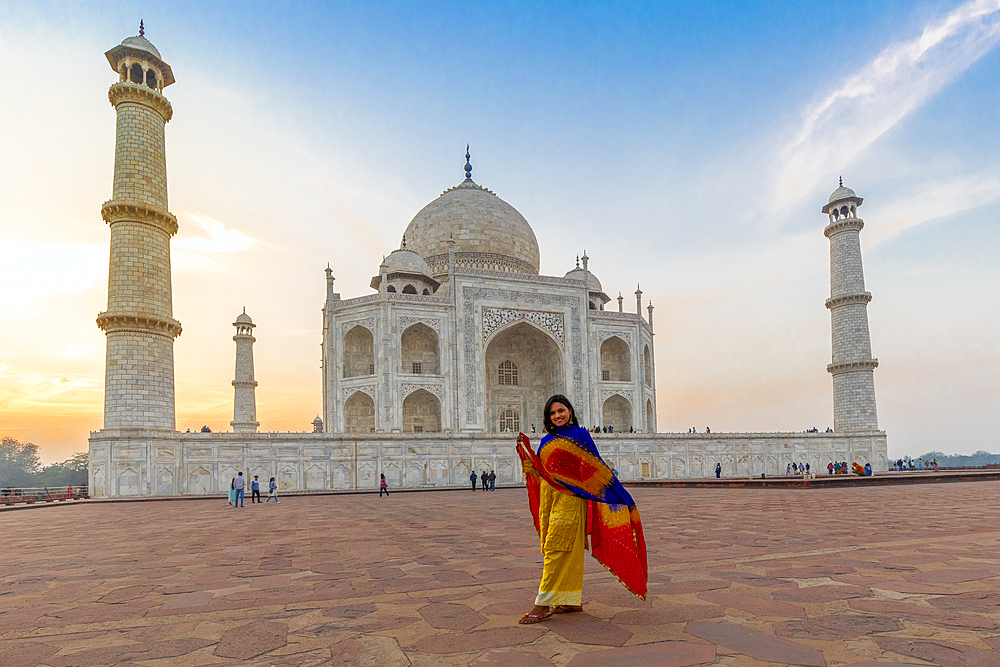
245 401
853 365
139 323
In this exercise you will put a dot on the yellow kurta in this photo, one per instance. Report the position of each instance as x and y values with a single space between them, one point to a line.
562 520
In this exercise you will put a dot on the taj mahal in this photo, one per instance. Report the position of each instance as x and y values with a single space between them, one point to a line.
426 378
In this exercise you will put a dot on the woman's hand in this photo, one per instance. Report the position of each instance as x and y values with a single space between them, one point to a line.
521 438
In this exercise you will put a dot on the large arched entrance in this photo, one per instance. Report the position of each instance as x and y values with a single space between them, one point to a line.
615 364
524 366
359 352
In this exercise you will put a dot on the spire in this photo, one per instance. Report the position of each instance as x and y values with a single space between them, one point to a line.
468 164
142 29
841 181
403 247
244 310
578 261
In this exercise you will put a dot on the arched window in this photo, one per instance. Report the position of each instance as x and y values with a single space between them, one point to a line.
507 373
151 78
426 292
843 211
409 289
390 288
135 74
510 420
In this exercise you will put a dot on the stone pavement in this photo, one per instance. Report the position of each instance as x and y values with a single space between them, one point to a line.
879 575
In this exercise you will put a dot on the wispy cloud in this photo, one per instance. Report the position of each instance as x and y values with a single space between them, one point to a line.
931 202
213 236
871 101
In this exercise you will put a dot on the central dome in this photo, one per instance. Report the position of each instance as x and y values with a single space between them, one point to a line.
488 232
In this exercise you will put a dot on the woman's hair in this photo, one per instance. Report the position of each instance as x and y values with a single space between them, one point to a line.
550 428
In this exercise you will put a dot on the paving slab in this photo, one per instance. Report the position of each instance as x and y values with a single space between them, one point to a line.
738 576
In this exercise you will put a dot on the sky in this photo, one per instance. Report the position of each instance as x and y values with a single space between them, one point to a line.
687 147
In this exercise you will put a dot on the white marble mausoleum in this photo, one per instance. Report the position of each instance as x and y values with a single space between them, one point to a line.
428 377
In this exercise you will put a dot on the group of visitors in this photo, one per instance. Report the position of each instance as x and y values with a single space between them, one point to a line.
695 430
901 465
237 489
797 469
488 480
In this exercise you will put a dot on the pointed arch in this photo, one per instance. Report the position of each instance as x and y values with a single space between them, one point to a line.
616 365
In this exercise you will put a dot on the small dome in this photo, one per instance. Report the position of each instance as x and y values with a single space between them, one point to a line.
317 421
593 284
405 260
140 42
243 318
842 193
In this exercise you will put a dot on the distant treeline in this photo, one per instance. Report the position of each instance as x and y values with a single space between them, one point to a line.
980 458
21 468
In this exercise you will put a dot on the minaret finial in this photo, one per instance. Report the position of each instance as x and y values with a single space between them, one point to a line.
841 181
404 242
142 29
244 310
468 164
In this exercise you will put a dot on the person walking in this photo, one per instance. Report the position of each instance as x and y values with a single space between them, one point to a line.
272 491
239 485
254 490
718 470
383 486
484 481
472 478
493 480
232 491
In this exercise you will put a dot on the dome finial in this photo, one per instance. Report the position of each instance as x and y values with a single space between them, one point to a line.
244 310
841 181
468 164
142 29
403 246
578 261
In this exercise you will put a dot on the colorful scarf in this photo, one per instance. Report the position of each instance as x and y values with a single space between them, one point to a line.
569 461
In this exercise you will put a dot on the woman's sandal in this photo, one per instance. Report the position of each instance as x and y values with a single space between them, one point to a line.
531 619
567 609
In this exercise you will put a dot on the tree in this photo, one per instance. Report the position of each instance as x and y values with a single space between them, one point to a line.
19 463
71 471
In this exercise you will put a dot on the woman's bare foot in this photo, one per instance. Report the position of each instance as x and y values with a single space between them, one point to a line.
567 609
536 615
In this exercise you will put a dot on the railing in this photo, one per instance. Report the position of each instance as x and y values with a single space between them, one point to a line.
42 494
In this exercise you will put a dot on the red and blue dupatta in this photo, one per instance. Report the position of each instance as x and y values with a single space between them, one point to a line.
569 461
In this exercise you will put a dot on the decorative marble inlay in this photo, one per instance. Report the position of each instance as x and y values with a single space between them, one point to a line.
408 388
368 323
406 321
627 394
364 388
494 318
626 336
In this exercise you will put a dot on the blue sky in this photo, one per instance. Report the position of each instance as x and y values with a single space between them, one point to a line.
688 147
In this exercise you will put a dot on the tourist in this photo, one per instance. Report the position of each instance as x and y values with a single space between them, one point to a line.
69 491
484 481
472 478
383 486
239 484
272 491
807 468
718 470
254 490
802 469
788 469
493 481
532 429
560 510
232 491
829 468
708 430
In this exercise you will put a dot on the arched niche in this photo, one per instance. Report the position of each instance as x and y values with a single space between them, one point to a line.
421 412
359 352
419 352
615 364
617 412
650 420
359 413
647 366
524 367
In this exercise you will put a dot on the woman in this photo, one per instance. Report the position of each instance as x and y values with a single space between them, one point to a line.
570 488
383 486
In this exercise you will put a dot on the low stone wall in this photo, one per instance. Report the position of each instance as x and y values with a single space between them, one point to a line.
165 463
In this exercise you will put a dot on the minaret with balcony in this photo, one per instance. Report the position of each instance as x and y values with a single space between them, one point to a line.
853 367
